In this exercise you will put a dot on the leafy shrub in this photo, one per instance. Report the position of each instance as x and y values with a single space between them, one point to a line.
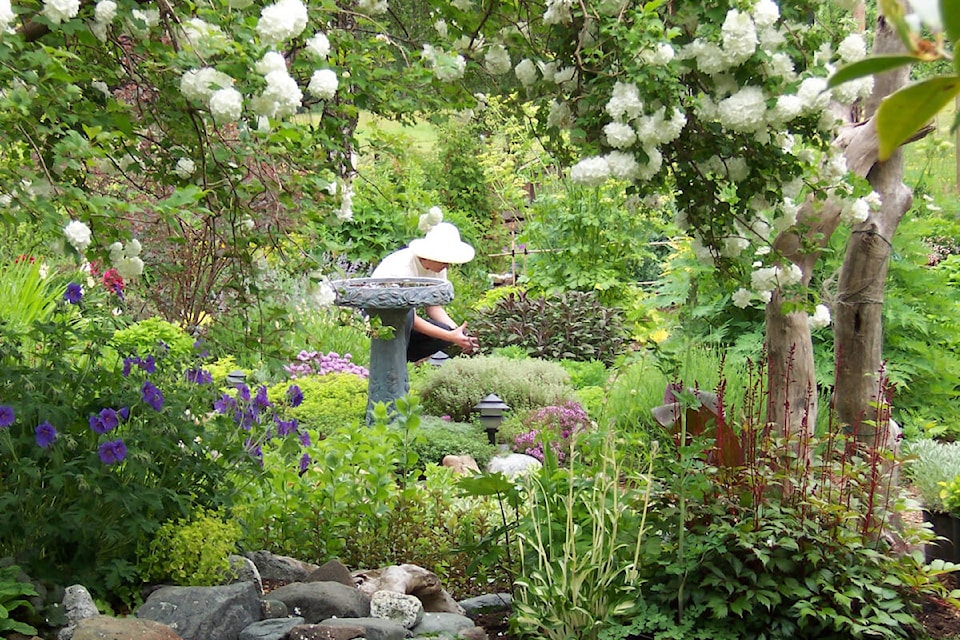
442 437
329 401
589 373
592 399
192 552
572 326
153 335
928 463
14 594
553 426
456 387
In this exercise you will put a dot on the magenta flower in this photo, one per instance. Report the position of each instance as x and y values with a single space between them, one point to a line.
45 434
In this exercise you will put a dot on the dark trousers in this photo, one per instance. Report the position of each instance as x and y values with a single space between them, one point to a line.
420 345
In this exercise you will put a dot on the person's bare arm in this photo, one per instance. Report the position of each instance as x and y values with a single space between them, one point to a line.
457 336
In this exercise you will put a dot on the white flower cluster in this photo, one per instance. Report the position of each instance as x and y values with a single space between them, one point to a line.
526 71
201 84
126 259
323 84
497 60
660 56
820 317
430 219
78 235
558 12
185 168
765 279
446 67
372 7
202 36
322 294
226 105
318 45
105 11
57 11
281 21
560 115
6 16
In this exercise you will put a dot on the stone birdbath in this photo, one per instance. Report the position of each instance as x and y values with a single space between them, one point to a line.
390 300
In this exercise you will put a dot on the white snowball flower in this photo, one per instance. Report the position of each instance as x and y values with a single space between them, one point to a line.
346 203
558 12
200 84
57 11
654 163
319 45
6 16
590 171
710 58
105 11
619 135
790 275
128 268
372 7
271 61
282 93
625 102
446 67
928 13
566 77
739 36
526 72
814 95
226 105
874 200
281 21
787 108
102 87
766 13
622 165
659 56
743 111
441 28
737 169
323 295
853 48
733 246
430 219
855 211
764 279
834 169
78 235
185 168
323 84
560 115
780 65
497 60
820 317
742 298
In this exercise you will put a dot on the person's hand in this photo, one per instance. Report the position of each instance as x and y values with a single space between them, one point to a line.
467 343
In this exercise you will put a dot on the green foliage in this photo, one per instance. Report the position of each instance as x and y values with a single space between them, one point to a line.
25 296
192 551
590 239
441 437
14 594
461 383
928 465
153 336
590 373
330 401
92 443
569 326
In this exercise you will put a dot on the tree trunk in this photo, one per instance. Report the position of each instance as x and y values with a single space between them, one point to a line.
792 387
857 313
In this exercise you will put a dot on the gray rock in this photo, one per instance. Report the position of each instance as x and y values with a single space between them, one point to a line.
434 623
315 601
325 632
373 628
108 628
204 613
402 609
270 609
332 571
487 602
275 629
513 464
281 568
243 569
78 605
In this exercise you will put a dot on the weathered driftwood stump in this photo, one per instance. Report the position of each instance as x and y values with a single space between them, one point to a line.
411 580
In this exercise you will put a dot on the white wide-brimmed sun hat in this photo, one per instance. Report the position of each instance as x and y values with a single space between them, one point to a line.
442 244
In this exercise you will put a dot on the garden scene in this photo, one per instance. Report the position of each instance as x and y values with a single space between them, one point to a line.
700 263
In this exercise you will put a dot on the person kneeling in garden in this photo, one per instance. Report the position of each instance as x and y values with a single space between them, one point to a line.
429 257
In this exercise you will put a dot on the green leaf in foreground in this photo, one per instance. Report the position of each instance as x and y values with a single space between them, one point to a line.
902 113
867 67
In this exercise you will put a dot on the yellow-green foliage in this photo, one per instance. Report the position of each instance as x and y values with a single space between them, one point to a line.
330 400
221 367
457 386
145 337
192 552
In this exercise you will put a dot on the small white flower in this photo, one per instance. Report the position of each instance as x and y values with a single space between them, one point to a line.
853 48
625 103
105 11
766 13
57 11
590 171
526 72
185 168
739 36
742 298
820 317
281 21
619 135
659 56
319 45
226 105
497 60
78 235
623 165
323 84
743 111
7 16
271 61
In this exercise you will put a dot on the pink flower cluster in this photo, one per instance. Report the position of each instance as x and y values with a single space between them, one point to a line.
555 424
316 363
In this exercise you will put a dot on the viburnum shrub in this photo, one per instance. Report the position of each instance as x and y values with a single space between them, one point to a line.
571 326
551 426
91 436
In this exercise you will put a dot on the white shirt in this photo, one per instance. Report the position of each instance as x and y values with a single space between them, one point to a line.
404 264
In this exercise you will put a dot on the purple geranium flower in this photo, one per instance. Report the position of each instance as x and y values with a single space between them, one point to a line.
261 400
304 463
112 452
243 391
110 419
96 424
152 395
6 416
304 439
124 413
294 395
74 293
199 376
46 434
286 427
148 364
225 404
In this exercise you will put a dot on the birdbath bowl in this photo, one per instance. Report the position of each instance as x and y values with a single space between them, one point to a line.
390 300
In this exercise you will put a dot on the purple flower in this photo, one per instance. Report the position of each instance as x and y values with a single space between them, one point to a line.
243 391
96 424
198 346
127 365
225 404
286 427
6 416
152 395
199 376
261 400
254 449
149 364
294 395
109 419
124 413
112 452
304 439
304 463
74 293
45 434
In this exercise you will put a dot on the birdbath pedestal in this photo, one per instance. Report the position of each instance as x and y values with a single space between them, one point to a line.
390 300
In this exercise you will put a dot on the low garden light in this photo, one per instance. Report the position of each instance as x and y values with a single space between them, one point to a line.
491 410
438 359
236 378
